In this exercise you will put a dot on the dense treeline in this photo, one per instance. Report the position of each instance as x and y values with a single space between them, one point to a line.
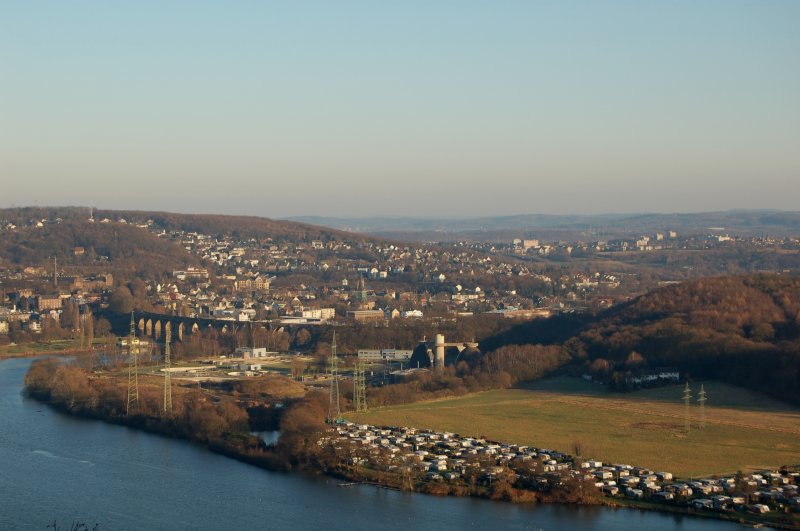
554 330
499 369
220 418
194 416
743 330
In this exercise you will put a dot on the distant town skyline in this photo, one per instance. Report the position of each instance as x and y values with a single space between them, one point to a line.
434 109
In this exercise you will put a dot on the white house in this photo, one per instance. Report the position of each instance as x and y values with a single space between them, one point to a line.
251 352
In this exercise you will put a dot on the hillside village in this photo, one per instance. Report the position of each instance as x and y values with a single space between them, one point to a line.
314 281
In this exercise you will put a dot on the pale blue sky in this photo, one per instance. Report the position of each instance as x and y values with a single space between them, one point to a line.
405 108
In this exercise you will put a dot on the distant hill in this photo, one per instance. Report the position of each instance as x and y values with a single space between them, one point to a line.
741 329
239 226
80 246
124 247
601 226
242 226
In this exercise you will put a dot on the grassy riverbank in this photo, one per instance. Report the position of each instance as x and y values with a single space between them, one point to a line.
218 419
43 348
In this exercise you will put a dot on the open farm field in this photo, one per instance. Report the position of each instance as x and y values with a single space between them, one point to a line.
744 430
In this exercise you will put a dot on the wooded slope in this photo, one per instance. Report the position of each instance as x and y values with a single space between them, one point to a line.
741 329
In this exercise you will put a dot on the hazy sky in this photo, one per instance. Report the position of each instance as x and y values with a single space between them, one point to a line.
401 107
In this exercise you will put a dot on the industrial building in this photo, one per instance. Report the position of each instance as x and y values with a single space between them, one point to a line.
387 354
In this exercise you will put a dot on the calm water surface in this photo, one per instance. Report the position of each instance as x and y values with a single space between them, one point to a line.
58 468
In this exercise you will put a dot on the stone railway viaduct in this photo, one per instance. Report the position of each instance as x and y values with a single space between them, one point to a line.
154 325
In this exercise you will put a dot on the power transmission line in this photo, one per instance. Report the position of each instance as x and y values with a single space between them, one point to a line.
359 387
133 371
687 399
167 379
702 401
334 412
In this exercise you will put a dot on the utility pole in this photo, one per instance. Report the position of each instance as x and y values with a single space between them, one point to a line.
334 412
167 379
133 371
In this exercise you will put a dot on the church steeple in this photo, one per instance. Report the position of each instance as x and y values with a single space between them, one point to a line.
361 291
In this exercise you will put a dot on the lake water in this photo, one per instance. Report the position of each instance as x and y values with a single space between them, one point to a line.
54 467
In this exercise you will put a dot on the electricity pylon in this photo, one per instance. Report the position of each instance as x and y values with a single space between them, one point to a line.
702 400
334 412
167 380
359 387
687 399
133 371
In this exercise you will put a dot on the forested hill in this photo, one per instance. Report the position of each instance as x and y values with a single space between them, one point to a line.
244 227
236 226
81 247
127 242
741 329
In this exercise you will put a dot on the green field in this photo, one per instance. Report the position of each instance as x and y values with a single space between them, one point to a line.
39 348
744 430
